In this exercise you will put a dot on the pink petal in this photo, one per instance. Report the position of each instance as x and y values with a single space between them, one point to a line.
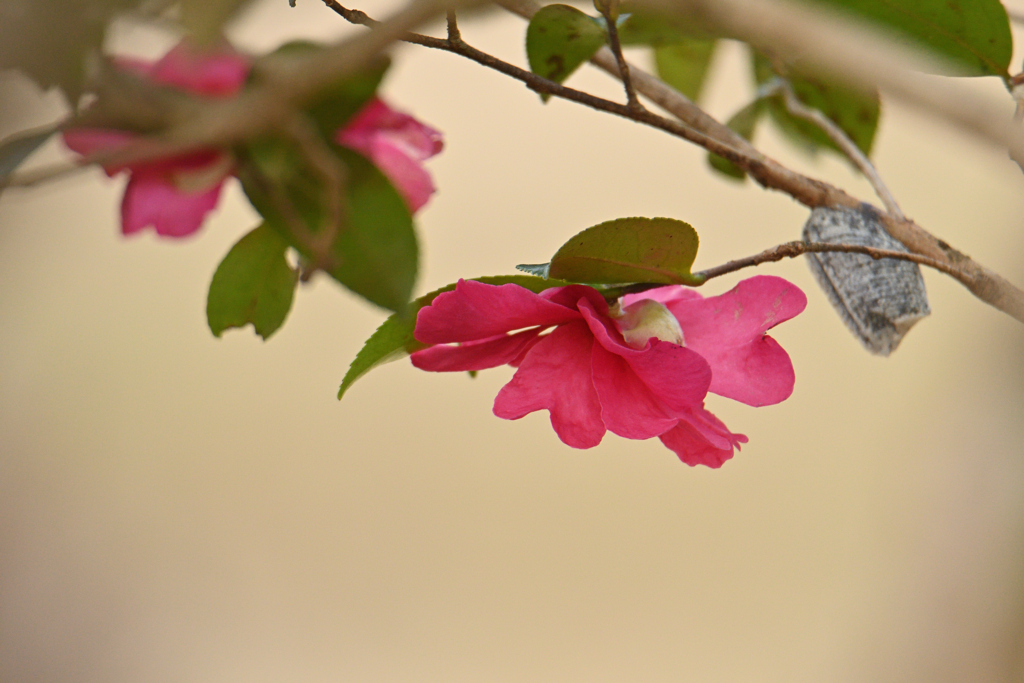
150 199
397 144
628 407
664 295
86 141
729 332
571 295
407 175
555 376
676 376
478 355
475 311
702 440
219 72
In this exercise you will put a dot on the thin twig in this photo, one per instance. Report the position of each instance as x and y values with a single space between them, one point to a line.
609 10
848 147
454 36
799 247
333 174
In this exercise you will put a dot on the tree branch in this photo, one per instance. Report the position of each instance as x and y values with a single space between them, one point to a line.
985 284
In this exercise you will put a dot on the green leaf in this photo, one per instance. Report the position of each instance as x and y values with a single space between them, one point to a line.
374 252
644 26
559 39
253 284
974 34
394 338
685 65
852 111
339 102
18 147
743 122
205 19
655 250
48 40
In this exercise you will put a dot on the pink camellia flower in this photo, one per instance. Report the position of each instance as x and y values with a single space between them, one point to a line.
398 144
640 369
174 195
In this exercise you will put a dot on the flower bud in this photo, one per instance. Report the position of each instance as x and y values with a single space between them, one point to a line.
647 318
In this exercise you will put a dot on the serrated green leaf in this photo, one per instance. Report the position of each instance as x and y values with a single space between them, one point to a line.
744 123
559 39
253 284
339 102
974 34
655 250
685 65
374 252
394 338
855 113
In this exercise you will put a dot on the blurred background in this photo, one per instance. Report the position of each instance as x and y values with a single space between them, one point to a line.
174 507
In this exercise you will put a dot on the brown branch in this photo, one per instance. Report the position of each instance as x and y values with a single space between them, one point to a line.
985 284
609 10
799 247
847 146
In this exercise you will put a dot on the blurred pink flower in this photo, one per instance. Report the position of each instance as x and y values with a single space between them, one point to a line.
398 145
174 195
641 369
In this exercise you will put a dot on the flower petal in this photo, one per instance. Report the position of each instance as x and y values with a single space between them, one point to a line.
476 355
555 376
86 141
663 295
407 175
150 199
217 72
628 407
729 332
397 144
702 440
677 376
475 311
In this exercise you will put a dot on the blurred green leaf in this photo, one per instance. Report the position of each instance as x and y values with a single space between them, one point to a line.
975 34
339 102
852 111
559 39
48 40
743 122
644 26
18 147
394 338
253 284
656 250
374 253
685 65
205 19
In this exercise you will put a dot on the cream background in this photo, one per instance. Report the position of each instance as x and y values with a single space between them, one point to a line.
179 508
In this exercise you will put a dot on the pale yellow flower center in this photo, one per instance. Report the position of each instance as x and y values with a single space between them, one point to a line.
644 319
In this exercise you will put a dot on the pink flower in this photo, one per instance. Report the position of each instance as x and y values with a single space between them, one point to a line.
174 195
640 369
398 144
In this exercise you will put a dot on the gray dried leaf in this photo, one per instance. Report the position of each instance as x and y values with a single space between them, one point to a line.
878 299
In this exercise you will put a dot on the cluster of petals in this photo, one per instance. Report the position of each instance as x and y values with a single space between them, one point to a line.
598 369
175 194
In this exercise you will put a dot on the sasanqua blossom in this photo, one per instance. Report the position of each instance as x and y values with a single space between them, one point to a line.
175 194
639 369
